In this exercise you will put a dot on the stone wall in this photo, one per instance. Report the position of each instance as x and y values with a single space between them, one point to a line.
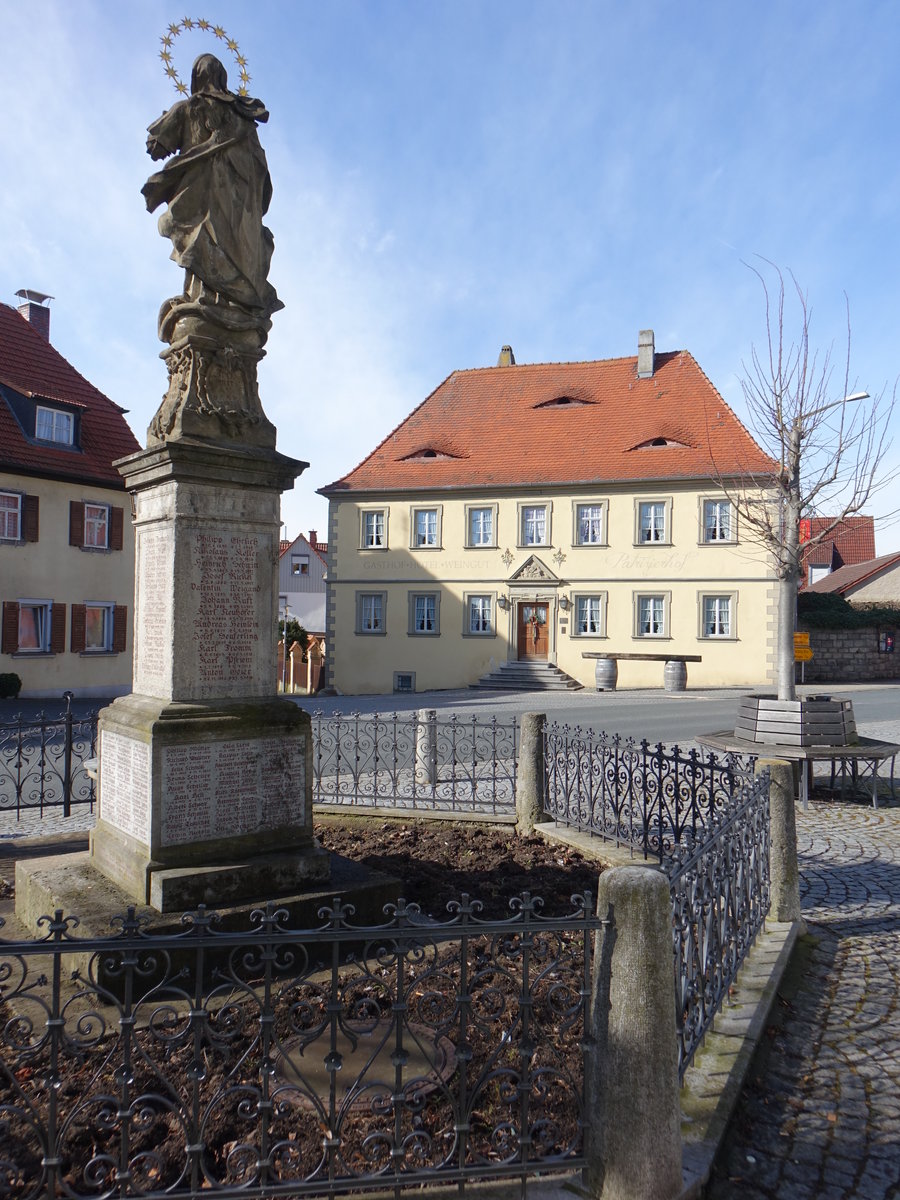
849 655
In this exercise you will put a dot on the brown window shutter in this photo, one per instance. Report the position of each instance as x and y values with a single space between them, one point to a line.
120 628
9 637
116 521
76 638
57 628
76 523
30 518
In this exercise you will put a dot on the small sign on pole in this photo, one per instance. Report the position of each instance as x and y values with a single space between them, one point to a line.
802 649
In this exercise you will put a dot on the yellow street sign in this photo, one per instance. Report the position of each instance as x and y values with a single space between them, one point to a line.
801 639
802 654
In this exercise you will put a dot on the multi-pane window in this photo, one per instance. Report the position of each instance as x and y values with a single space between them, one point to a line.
371 612
717 616
425 614
426 527
96 525
480 614
10 516
651 616
590 524
299 564
373 531
481 526
34 625
652 521
534 525
98 626
588 615
716 521
52 425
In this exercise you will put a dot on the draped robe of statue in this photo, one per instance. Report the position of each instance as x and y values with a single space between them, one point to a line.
217 189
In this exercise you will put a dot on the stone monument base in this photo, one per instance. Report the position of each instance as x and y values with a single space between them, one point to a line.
205 803
71 883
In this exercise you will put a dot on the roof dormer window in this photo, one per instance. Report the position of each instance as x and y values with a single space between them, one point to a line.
661 442
563 402
54 425
426 453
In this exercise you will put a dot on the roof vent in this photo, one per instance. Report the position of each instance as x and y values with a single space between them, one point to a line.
507 358
33 309
646 354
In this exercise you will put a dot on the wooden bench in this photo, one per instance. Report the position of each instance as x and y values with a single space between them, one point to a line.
606 670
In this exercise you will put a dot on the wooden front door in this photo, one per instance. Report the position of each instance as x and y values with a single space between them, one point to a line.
533 638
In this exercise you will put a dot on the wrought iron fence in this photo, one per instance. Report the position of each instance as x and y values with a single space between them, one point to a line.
411 760
720 898
42 762
648 798
281 1062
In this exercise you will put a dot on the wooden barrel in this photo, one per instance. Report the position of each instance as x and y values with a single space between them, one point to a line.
675 675
606 674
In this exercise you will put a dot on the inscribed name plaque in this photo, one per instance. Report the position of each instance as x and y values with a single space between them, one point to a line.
225 789
125 795
225 570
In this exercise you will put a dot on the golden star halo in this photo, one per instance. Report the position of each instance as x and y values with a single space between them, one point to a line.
201 23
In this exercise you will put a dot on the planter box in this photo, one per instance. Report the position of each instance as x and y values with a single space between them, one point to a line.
815 721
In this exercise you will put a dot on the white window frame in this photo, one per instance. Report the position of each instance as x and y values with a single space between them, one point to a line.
471 509
577 506
419 605
108 610
719 502
425 511
6 511
663 602
481 599
524 510
96 526
366 626
60 423
367 537
45 621
579 600
703 633
641 506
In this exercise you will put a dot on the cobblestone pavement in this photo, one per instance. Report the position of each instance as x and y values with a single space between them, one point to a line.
820 1116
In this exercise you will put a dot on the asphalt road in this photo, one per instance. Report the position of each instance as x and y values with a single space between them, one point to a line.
655 715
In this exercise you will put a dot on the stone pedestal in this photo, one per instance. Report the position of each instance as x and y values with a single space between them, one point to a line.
205 788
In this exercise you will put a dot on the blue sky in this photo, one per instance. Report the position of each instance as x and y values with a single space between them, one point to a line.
452 176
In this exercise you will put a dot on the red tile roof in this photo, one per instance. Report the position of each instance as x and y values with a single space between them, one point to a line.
846 578
31 366
851 541
498 427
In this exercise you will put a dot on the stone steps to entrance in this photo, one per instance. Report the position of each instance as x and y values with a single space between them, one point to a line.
525 676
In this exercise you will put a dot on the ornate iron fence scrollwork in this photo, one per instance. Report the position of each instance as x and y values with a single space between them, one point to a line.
295 1062
42 763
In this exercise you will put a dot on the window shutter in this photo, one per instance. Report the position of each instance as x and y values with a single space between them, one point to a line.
9 637
76 523
120 628
57 628
76 639
116 521
30 518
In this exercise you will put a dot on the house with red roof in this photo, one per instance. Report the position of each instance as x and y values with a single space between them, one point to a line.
830 544
876 581
549 514
301 581
66 541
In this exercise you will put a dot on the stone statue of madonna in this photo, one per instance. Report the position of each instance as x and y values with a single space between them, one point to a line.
217 189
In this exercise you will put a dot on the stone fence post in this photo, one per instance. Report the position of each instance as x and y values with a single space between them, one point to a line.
633 1117
426 746
530 773
784 873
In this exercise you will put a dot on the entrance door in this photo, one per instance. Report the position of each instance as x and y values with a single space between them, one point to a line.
533 635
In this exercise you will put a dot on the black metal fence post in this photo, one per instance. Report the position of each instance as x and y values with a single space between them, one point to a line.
67 756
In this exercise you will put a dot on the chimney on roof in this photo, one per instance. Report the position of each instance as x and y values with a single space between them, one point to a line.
646 354
35 311
313 538
507 358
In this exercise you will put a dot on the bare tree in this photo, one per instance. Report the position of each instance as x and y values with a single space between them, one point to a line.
828 448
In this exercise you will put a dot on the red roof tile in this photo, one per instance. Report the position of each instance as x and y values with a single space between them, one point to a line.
851 541
31 366
497 427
